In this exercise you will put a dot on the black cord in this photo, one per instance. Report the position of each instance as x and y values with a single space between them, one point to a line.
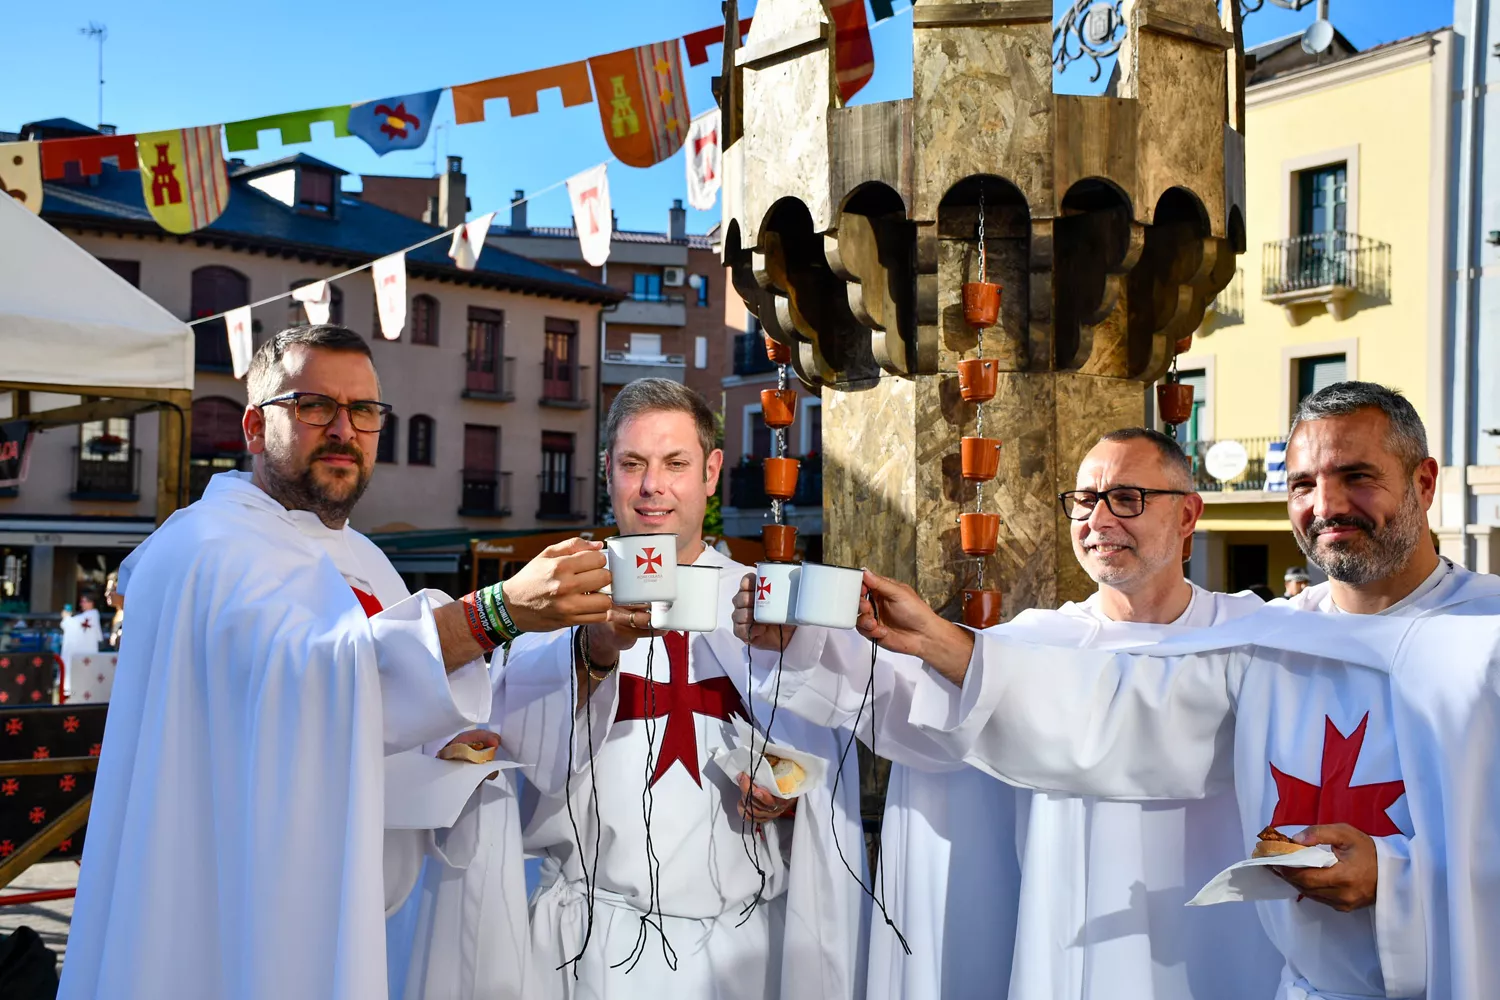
748 827
590 878
879 901
653 863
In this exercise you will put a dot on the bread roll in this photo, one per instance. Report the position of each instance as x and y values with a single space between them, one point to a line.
1271 843
789 774
474 754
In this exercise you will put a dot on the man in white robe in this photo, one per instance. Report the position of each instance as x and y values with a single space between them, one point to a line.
81 634
234 845
724 906
1091 890
1354 734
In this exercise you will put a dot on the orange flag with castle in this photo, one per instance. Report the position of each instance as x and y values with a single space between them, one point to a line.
642 102
183 177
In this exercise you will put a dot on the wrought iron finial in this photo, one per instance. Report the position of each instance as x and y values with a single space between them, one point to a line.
1091 29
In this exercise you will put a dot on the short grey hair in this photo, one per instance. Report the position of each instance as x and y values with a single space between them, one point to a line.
1407 436
1178 466
646 395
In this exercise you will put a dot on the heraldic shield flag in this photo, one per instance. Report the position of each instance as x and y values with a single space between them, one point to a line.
642 102
21 174
183 177
394 122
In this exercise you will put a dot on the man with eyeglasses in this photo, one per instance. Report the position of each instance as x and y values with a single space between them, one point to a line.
1057 896
275 659
1368 726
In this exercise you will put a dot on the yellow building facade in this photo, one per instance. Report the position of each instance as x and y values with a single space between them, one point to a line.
1345 166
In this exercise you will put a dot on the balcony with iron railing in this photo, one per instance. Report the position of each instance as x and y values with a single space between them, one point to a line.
112 477
489 378
486 493
1334 268
623 367
1264 471
565 386
649 309
747 486
750 355
565 504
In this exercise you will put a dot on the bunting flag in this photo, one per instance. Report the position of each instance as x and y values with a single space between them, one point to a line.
698 42
389 274
643 101
88 152
703 160
316 301
853 56
184 182
394 122
294 126
468 242
592 216
21 173
241 344
520 89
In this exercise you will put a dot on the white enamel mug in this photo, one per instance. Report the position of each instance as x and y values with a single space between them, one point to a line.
776 592
642 568
828 596
697 606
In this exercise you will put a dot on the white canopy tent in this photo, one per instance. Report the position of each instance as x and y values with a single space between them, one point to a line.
70 325
59 305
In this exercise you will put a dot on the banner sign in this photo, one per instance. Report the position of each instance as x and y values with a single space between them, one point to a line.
184 182
15 451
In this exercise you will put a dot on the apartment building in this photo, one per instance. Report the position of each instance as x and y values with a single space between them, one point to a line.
494 428
1345 158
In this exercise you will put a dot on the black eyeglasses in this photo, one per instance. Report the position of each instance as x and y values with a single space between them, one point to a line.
318 410
1122 501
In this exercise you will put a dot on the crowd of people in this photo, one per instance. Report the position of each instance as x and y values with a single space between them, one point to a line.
1062 784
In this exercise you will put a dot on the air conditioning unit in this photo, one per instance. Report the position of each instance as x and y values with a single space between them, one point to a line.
673 277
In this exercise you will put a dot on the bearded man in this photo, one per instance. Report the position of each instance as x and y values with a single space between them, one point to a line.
1368 726
275 658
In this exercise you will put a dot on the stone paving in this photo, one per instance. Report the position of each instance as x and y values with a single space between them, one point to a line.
49 919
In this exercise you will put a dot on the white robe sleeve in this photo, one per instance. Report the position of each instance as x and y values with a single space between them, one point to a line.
421 701
824 676
1400 920
1090 722
533 711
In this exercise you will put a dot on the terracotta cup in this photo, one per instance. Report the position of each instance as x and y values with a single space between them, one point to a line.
980 457
1184 345
977 379
777 351
778 407
981 303
1175 401
780 541
781 478
981 608
978 533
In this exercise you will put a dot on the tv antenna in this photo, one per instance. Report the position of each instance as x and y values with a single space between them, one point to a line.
100 32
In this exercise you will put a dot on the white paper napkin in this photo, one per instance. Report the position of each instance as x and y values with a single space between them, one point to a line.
1250 880
424 793
737 761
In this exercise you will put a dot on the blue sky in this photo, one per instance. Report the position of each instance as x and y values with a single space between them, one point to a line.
172 63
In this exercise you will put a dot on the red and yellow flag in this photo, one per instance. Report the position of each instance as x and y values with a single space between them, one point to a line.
642 102
183 177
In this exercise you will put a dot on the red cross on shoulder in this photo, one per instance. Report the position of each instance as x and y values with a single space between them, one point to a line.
1301 803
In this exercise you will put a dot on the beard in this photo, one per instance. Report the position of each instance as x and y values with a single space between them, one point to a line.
296 486
1378 554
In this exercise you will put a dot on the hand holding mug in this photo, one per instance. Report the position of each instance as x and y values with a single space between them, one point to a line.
747 629
559 588
623 627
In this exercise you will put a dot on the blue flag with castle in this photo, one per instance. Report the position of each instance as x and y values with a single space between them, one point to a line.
394 122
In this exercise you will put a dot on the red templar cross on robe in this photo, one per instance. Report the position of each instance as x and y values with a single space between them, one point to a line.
679 701
368 602
1362 806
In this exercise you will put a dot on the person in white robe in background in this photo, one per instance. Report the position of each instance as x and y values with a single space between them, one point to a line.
1090 890
716 853
235 840
1358 726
